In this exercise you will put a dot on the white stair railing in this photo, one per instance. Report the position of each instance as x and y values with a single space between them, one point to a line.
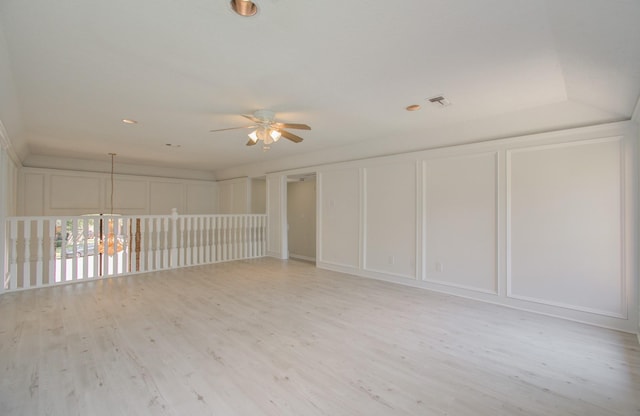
46 251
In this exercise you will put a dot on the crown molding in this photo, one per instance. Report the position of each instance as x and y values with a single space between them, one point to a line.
636 112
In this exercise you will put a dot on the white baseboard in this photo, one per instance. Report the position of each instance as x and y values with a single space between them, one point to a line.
300 257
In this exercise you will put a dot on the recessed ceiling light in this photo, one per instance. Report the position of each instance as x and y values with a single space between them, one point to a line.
129 121
413 107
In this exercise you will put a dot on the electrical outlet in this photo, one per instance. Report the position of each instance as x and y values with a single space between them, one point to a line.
392 260
439 267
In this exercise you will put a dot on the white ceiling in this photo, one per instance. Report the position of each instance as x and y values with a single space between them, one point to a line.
71 70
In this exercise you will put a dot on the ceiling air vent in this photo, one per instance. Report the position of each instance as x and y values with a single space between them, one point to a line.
439 101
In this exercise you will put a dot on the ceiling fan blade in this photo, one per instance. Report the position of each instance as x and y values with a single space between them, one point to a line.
252 118
233 128
291 136
291 126
251 142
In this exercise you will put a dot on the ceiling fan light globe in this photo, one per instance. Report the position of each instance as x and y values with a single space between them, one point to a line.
254 136
275 135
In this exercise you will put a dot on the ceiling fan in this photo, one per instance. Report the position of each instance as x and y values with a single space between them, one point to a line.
267 129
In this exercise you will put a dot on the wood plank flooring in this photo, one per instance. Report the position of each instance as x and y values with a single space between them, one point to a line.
268 337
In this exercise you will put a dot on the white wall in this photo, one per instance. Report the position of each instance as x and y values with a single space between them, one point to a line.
545 222
301 216
8 203
390 222
564 204
460 205
338 232
59 192
234 196
276 216
258 196
636 120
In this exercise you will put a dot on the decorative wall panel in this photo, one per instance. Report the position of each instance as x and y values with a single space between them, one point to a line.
390 219
460 217
565 223
339 217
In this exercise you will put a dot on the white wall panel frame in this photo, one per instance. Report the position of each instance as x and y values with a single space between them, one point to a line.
624 278
234 196
33 197
362 235
420 222
130 196
318 216
100 183
160 201
501 222
351 261
496 259
201 198
277 216
73 193
392 261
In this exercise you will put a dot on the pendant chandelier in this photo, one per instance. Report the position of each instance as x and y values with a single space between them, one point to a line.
112 243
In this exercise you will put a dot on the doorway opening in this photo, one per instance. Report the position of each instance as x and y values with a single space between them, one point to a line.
301 217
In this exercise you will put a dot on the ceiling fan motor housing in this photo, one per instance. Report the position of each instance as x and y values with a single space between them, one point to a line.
266 116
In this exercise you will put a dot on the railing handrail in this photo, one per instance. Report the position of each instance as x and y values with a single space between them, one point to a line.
49 250
57 217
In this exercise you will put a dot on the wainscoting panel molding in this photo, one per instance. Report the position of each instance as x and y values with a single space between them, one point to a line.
565 204
74 192
390 212
461 221
339 217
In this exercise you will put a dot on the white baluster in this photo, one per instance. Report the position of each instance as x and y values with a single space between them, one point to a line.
263 235
229 229
252 237
63 251
74 249
218 239
189 243
149 238
200 240
52 251
85 245
193 240
245 237
13 278
256 236
182 254
156 243
256 241
236 242
39 261
26 261
143 242
95 264
207 239
165 251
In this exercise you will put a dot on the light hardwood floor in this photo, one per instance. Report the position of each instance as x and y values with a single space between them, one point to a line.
267 337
